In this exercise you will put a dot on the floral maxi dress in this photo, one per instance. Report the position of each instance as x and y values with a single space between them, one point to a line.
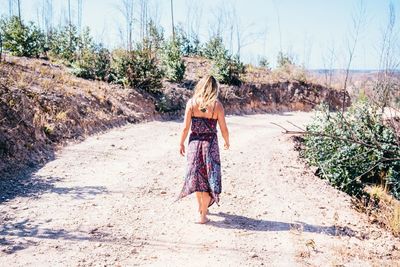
203 172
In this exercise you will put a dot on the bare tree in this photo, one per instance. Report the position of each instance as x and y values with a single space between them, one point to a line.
279 25
172 19
144 19
328 62
1 47
10 8
389 61
47 15
246 35
358 21
80 7
69 13
126 7
193 18
19 9
307 49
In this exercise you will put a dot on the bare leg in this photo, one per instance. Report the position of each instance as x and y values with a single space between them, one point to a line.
198 196
205 200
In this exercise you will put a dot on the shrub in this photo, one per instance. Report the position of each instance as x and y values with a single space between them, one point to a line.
214 48
173 65
137 68
264 63
169 103
189 43
93 64
284 60
354 150
156 36
91 61
64 44
228 69
20 39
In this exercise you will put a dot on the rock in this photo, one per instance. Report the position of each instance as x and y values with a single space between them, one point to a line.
93 230
163 192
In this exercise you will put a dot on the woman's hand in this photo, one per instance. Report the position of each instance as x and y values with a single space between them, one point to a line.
182 149
226 145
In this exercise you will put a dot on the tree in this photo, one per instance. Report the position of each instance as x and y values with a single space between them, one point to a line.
19 39
389 61
126 8
80 14
46 13
19 9
172 19
358 22
284 59
1 47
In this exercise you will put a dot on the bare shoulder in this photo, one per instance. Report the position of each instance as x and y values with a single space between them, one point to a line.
219 106
189 103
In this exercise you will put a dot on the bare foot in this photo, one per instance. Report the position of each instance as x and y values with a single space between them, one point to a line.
208 212
204 220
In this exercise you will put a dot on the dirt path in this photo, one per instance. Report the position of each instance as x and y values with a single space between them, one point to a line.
109 201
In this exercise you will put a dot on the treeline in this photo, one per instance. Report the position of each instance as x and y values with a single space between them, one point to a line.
143 66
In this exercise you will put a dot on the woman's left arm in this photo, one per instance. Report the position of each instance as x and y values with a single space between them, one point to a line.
186 128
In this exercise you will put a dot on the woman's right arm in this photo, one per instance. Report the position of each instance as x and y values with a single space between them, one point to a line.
222 125
186 128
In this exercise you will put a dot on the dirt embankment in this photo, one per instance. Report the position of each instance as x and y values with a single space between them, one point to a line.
42 105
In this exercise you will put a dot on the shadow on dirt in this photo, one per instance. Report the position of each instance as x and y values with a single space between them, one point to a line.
33 186
16 236
245 223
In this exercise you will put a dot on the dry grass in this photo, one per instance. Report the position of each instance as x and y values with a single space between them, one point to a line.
42 105
384 209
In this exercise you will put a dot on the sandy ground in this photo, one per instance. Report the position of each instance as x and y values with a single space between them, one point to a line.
109 201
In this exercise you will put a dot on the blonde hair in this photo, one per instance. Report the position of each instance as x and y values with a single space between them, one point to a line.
206 91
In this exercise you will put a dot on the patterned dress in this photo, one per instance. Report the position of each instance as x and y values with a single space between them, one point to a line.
203 172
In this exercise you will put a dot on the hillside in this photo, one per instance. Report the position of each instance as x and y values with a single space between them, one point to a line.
43 106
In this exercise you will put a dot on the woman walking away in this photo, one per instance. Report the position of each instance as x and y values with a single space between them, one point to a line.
203 173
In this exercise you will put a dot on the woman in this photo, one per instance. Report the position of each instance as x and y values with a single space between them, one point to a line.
203 174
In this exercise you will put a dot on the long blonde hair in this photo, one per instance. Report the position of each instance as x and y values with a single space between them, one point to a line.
206 91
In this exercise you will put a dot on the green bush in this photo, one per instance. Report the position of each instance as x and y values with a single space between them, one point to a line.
171 59
155 38
91 61
189 43
214 48
64 44
138 69
93 64
284 60
354 150
264 63
20 39
226 67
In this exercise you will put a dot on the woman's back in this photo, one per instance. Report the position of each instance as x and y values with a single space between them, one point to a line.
203 122
209 112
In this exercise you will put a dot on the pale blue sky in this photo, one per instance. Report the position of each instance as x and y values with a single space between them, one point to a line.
309 29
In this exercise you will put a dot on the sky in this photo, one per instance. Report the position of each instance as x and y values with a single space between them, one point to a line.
316 33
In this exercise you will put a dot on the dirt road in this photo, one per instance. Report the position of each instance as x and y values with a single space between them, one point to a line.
109 201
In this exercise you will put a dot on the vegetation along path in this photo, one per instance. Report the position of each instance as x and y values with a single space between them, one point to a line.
110 201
